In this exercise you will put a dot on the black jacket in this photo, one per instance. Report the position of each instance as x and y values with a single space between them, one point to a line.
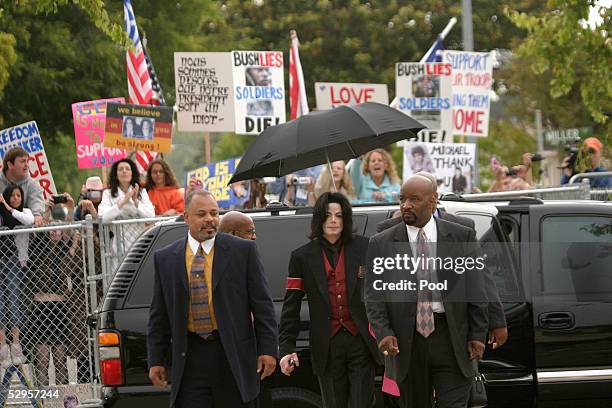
307 264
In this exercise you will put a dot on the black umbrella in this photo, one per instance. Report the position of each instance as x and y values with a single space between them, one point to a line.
324 136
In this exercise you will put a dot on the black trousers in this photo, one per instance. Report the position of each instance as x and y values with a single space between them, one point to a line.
348 381
433 367
208 380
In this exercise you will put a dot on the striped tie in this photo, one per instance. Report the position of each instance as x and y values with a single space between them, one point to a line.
198 292
424 317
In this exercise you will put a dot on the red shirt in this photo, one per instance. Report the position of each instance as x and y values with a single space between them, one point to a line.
336 286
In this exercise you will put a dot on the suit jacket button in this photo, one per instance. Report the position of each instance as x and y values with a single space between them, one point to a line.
183 354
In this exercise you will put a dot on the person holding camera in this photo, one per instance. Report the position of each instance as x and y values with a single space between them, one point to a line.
16 171
90 199
590 152
59 207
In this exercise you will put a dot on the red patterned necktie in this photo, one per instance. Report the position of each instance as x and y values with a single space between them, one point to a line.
424 317
198 291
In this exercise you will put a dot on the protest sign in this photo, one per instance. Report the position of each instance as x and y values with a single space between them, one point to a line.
139 127
332 94
453 164
204 91
472 77
28 137
89 123
214 178
424 93
259 90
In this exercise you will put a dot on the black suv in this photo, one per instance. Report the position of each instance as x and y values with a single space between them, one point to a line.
551 261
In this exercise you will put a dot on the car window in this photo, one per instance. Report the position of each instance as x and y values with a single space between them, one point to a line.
576 254
498 256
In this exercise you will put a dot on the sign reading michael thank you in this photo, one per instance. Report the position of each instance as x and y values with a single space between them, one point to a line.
204 91
259 90
472 74
424 92
28 137
331 94
138 127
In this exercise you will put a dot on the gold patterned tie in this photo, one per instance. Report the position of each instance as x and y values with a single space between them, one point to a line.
198 291
424 317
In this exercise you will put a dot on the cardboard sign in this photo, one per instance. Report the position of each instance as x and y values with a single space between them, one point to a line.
139 127
204 91
424 92
28 137
472 78
454 165
214 178
332 94
89 123
259 90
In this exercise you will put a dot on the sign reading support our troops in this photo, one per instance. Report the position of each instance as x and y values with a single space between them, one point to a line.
472 78
89 123
139 127
332 94
204 91
424 92
259 90
28 137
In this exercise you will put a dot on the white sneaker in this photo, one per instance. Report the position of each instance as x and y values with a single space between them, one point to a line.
17 354
5 355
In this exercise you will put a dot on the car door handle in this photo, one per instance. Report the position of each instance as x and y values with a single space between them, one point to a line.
556 320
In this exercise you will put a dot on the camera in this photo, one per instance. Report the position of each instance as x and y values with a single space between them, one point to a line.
300 180
93 195
59 199
536 157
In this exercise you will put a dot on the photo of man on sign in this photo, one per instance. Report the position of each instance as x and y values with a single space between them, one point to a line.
138 128
258 76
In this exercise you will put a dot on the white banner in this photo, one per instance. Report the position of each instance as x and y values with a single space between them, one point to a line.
424 93
204 91
452 164
259 90
332 94
472 78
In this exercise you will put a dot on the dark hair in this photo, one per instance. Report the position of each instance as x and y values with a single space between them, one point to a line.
417 150
194 193
11 155
8 191
169 178
8 219
319 215
113 180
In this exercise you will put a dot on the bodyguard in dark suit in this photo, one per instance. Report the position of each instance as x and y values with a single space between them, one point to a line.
329 271
427 339
212 308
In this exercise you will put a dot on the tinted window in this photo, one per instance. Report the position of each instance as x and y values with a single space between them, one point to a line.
576 254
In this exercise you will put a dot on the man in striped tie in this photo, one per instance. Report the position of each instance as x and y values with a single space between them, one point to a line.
212 308
428 333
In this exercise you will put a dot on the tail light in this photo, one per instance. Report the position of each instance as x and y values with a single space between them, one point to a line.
110 358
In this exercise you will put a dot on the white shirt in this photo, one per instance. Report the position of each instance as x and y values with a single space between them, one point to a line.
109 207
194 244
431 235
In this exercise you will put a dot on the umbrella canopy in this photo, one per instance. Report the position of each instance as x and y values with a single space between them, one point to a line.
338 134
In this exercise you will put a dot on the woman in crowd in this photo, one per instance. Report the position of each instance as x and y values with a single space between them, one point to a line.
163 189
124 199
380 180
13 261
339 177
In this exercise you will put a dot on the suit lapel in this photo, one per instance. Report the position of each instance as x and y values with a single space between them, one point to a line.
179 251
350 269
220 260
314 258
444 238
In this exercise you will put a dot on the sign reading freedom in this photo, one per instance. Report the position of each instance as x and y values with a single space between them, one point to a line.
138 127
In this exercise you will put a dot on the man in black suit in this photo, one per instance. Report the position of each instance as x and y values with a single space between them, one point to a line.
437 334
212 308
498 330
329 271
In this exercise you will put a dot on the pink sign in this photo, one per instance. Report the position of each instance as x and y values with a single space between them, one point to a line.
89 123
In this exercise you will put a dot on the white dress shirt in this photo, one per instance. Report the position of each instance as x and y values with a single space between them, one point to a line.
431 235
207 245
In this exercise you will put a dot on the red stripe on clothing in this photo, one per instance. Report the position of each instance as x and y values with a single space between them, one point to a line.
295 283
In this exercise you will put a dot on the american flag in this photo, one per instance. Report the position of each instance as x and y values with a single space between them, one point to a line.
297 90
143 86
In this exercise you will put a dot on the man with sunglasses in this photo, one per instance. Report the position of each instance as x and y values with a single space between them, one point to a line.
238 224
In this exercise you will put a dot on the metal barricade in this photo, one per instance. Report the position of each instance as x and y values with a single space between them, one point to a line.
597 193
46 293
580 191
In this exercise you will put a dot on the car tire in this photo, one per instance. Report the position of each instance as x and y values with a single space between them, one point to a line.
293 397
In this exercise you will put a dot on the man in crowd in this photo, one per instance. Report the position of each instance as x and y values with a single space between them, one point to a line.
91 197
16 171
592 148
212 307
238 224
437 337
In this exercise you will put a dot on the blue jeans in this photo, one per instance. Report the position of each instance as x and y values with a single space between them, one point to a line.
12 297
